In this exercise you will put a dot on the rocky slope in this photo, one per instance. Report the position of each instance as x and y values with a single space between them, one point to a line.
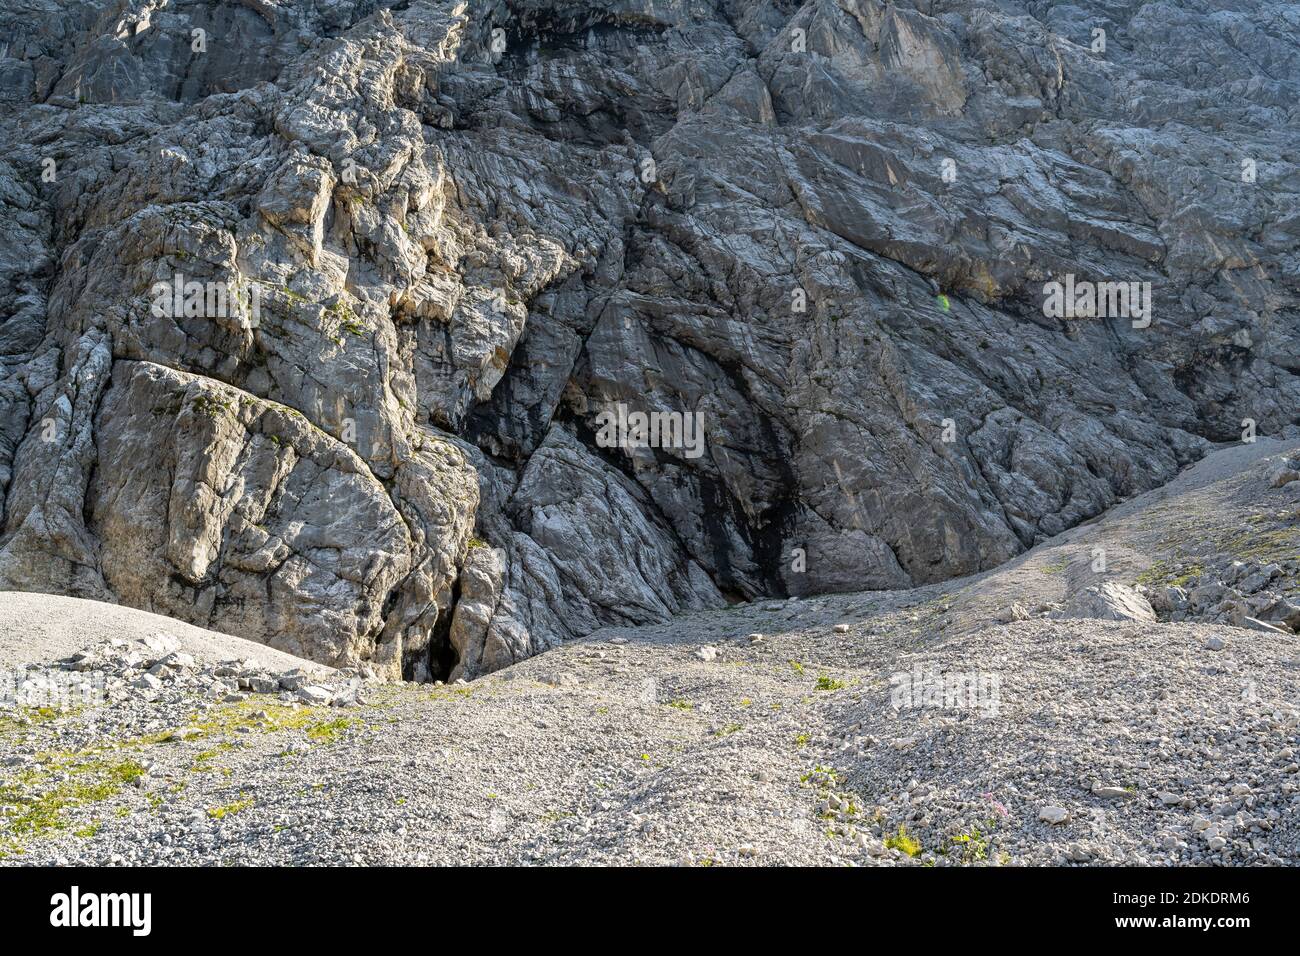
472 228
895 727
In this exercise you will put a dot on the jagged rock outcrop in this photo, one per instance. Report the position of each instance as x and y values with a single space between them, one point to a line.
463 236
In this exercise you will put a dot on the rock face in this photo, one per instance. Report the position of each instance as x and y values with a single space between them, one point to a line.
440 249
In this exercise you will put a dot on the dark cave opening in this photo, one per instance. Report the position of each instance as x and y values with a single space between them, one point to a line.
441 657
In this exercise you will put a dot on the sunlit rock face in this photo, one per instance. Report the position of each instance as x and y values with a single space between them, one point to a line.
427 335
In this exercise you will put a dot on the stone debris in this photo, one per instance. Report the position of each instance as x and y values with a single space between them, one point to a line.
151 665
1261 596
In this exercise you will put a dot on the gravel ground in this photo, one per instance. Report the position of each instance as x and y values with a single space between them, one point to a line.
888 728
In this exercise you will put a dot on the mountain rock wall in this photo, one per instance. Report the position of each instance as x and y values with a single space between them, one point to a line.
454 239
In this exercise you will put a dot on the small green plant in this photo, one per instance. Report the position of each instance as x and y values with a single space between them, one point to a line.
680 704
209 405
902 841
798 668
820 776
802 740
203 756
230 809
828 683
329 731
972 847
25 717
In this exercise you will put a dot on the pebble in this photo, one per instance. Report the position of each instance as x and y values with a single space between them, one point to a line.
1112 793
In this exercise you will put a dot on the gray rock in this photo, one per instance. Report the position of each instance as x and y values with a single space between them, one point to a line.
1283 473
1112 793
1054 815
1257 625
480 590
1231 610
315 695
1258 579
1287 612
559 679
1168 600
1109 601
1016 612
1206 596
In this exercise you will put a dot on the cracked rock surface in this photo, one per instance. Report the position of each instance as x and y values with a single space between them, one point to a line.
474 228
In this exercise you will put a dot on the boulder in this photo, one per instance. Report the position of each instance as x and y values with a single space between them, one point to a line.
1109 601
1283 472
